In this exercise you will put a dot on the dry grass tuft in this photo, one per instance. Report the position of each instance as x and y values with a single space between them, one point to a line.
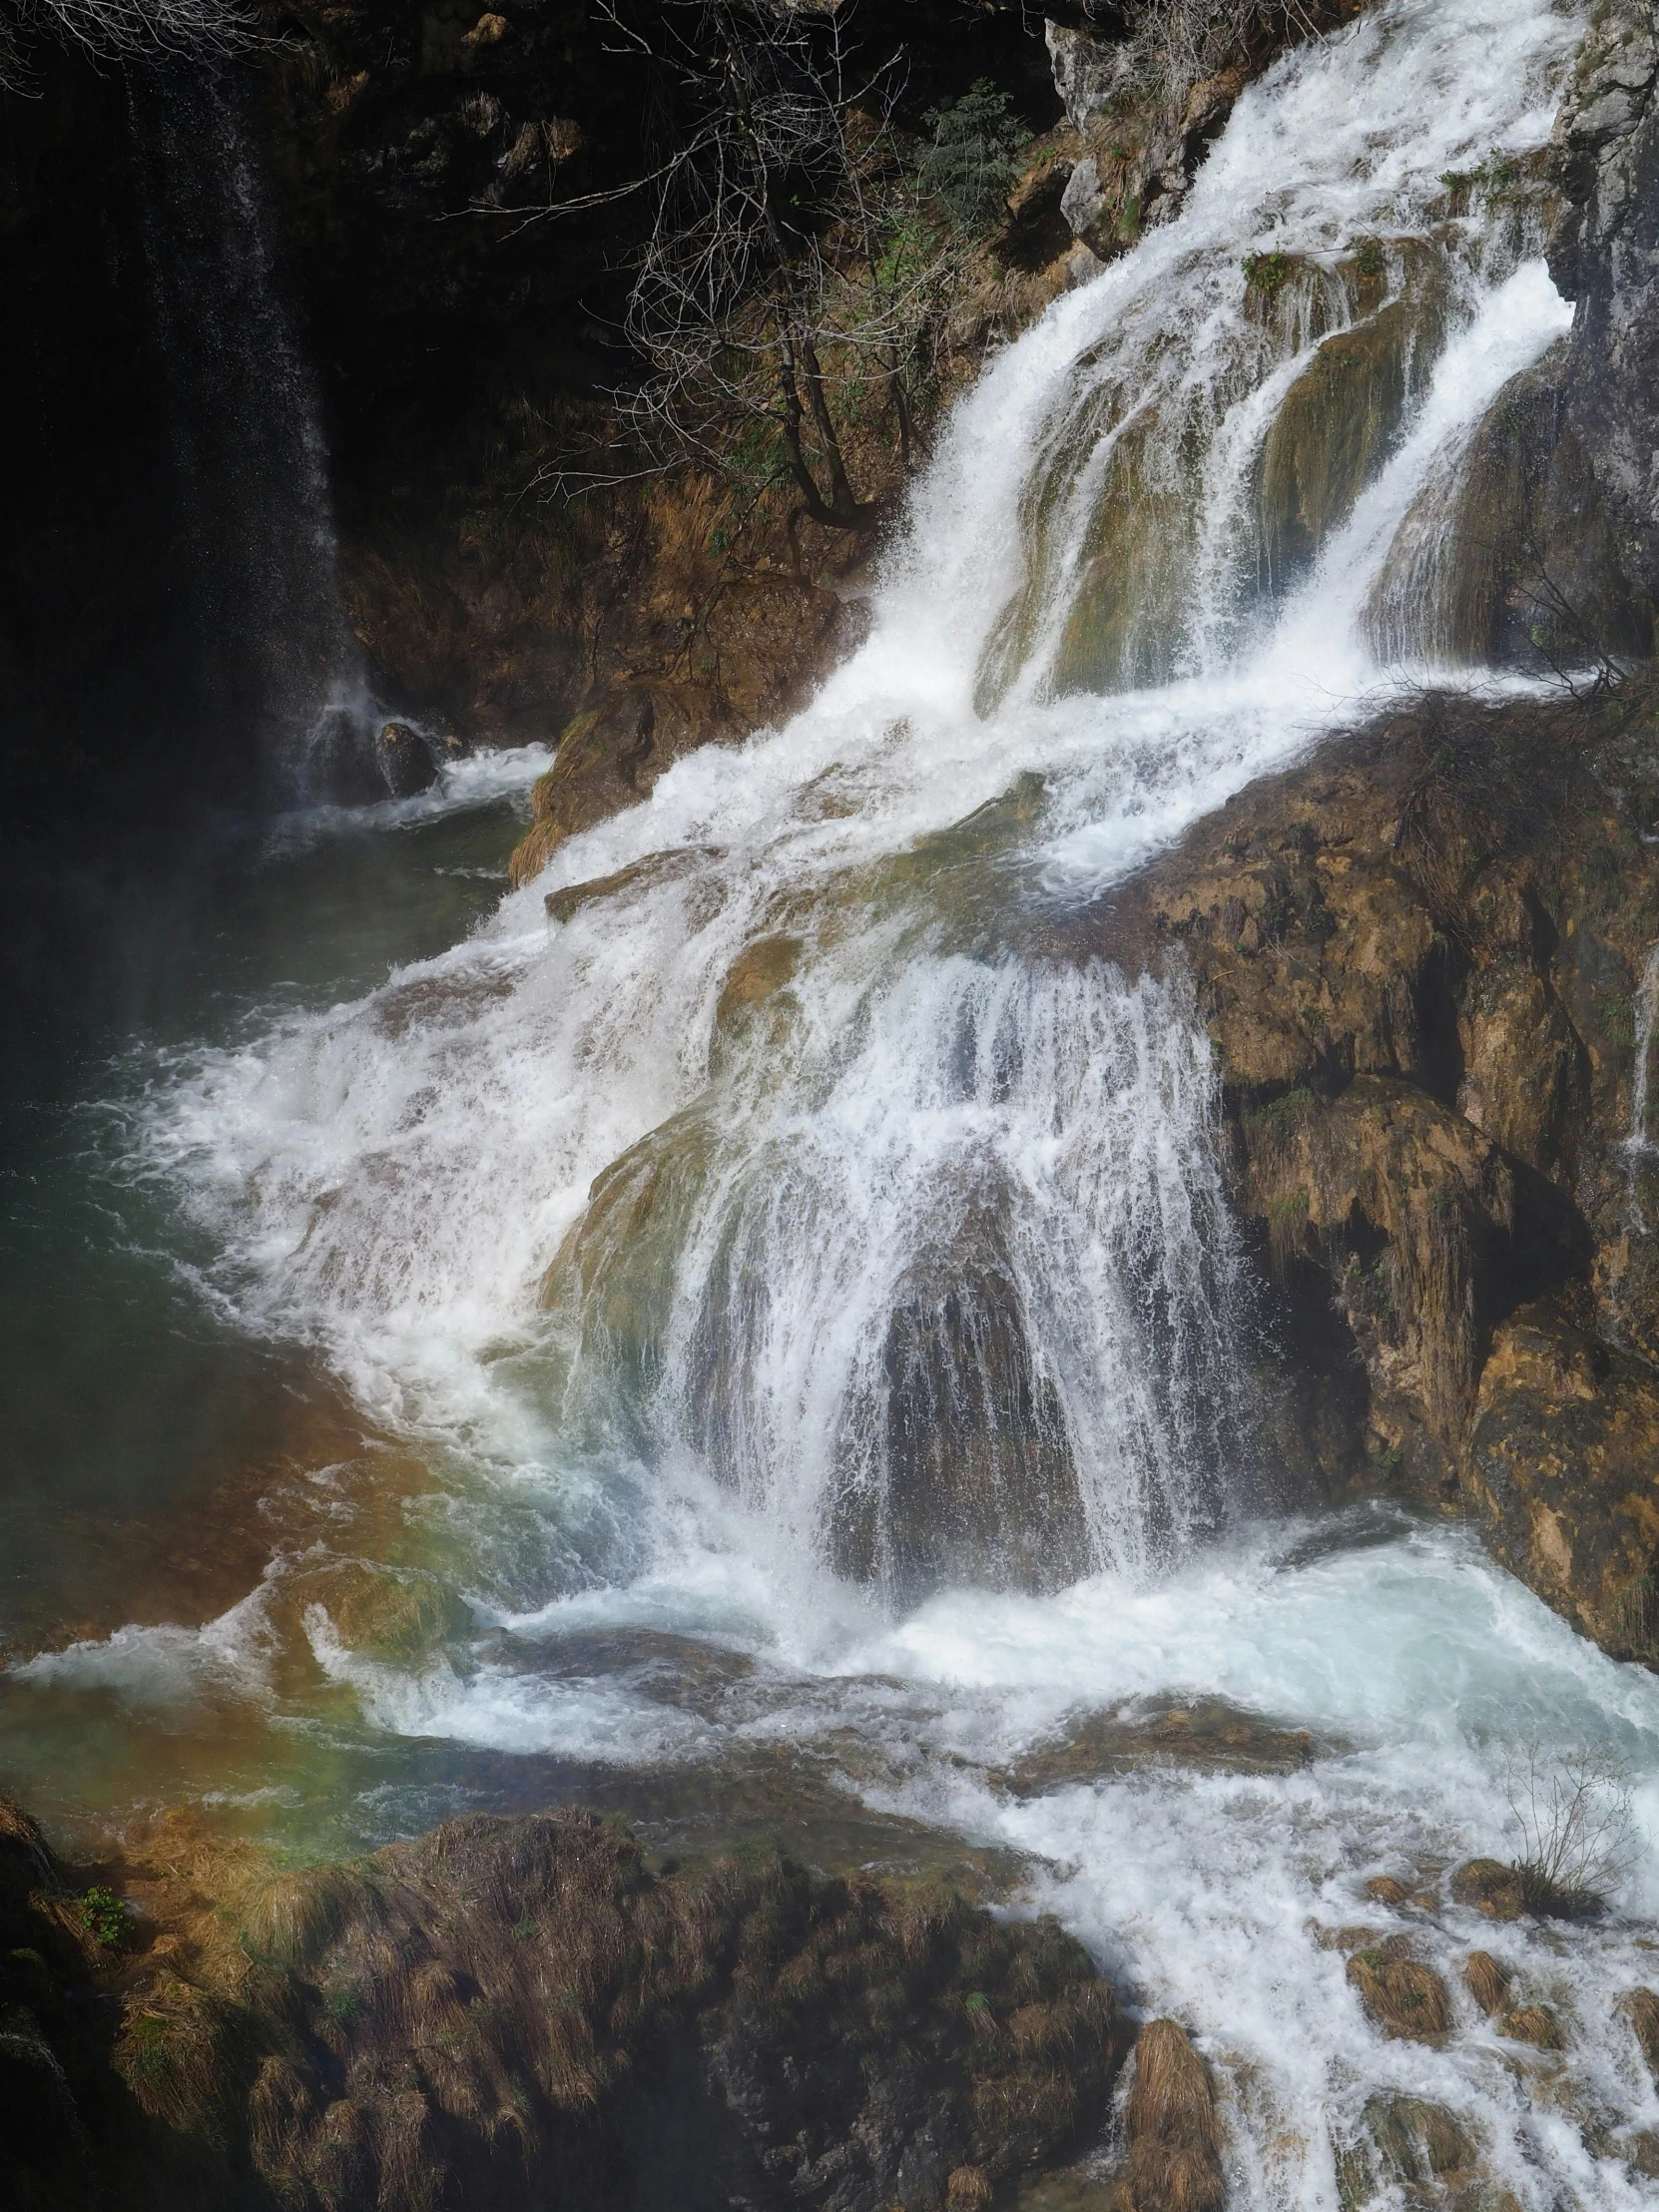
1641 2008
1488 1983
1536 2025
294 1917
1174 2127
516 2010
1402 1995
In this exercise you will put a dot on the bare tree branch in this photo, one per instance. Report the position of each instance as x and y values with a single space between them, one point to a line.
117 29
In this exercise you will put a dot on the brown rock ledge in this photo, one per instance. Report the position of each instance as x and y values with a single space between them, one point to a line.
1421 956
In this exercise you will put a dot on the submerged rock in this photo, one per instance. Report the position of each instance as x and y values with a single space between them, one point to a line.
1416 2142
399 1615
1210 1737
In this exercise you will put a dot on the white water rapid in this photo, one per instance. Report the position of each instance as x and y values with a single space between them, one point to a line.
812 1229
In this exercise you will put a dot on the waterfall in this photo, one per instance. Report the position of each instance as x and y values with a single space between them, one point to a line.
1639 1145
248 434
815 1156
954 1292
785 1250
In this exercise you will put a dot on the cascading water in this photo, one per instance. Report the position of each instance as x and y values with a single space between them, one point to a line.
948 1288
248 433
811 1205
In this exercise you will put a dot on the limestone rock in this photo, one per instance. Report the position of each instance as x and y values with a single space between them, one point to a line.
608 757
1563 1462
1418 956
1604 254
405 759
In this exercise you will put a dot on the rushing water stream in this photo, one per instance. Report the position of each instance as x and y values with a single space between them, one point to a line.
767 1336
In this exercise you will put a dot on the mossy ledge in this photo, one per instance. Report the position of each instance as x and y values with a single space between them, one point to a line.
519 2012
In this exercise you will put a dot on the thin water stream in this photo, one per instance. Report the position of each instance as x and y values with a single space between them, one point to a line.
767 1344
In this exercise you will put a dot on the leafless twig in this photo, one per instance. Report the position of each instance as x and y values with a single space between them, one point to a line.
117 29
1579 1832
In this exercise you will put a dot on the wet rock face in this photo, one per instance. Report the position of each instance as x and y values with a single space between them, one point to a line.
514 2011
1421 957
1144 133
1560 1461
1604 254
768 637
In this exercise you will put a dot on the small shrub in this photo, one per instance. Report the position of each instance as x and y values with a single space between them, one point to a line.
105 1917
1268 274
971 167
1577 1826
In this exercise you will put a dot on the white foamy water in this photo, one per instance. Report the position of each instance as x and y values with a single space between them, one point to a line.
820 1205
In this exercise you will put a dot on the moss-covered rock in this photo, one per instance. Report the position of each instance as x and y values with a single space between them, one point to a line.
1338 422
397 1614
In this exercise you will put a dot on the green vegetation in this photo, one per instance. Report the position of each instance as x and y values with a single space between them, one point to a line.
105 1917
1500 178
970 167
1268 274
1295 1106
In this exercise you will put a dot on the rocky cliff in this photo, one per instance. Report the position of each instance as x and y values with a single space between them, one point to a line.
1427 963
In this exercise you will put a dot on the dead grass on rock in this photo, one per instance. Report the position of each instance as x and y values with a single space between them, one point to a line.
1403 1996
1173 2126
516 2010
